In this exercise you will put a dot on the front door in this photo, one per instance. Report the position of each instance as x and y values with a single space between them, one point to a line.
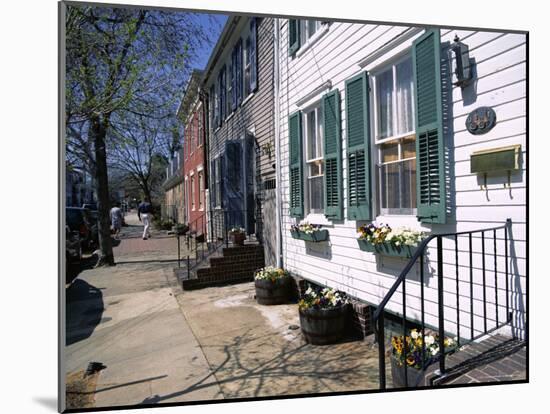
239 184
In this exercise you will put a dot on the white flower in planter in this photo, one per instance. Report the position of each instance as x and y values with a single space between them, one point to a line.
429 340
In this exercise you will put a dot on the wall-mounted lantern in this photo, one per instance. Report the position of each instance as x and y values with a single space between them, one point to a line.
463 69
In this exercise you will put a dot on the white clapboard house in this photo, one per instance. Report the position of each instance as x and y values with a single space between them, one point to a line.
384 124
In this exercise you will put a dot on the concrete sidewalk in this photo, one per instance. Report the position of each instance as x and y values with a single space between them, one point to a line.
127 317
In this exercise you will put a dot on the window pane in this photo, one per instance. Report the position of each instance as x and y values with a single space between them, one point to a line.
319 135
405 121
389 151
311 27
316 194
384 88
408 184
311 132
389 183
408 147
315 168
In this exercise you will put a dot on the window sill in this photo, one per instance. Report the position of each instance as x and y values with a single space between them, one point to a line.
311 41
230 116
316 218
401 220
249 97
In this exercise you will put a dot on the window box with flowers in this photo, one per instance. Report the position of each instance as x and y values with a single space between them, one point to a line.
238 235
411 357
400 242
323 315
272 285
308 232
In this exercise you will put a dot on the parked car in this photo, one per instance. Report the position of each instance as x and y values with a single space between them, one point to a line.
94 227
73 246
79 220
90 206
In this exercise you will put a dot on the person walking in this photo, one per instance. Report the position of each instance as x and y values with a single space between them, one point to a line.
145 210
116 219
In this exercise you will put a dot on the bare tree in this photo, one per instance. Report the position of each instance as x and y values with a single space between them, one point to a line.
142 149
121 61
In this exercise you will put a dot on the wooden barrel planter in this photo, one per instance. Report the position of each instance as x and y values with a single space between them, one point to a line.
323 326
275 292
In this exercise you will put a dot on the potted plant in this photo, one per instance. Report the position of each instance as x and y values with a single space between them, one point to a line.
238 235
308 232
384 240
406 360
180 229
272 285
323 315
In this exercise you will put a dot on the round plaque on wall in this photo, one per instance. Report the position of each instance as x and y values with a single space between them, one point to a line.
481 120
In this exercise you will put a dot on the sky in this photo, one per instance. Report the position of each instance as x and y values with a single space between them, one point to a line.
213 23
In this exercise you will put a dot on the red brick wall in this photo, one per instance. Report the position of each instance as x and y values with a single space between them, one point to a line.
192 165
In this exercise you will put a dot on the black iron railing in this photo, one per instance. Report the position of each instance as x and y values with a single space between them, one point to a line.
210 231
474 333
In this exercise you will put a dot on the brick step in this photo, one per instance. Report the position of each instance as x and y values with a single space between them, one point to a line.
250 267
237 250
234 260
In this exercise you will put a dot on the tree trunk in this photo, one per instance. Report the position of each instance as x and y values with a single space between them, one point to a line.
98 132
146 191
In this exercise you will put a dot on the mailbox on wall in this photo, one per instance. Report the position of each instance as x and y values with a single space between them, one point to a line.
495 160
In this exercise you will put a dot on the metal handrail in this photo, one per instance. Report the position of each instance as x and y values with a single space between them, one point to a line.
420 250
378 316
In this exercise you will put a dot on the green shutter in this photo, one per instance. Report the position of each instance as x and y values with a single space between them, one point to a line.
293 36
295 167
430 169
358 148
332 155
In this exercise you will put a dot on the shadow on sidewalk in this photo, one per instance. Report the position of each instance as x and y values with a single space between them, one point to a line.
84 310
247 375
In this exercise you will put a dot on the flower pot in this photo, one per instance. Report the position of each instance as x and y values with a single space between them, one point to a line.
272 292
315 237
406 377
181 229
238 238
386 249
323 326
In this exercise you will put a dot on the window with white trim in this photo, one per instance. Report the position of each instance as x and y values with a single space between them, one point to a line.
230 97
192 192
313 144
395 138
307 29
247 67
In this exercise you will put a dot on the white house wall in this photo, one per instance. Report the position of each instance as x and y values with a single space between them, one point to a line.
501 84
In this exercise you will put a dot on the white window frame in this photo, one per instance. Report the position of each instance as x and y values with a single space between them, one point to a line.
247 90
310 41
192 189
317 217
382 64
186 197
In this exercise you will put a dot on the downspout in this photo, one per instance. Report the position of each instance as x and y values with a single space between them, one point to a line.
278 199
